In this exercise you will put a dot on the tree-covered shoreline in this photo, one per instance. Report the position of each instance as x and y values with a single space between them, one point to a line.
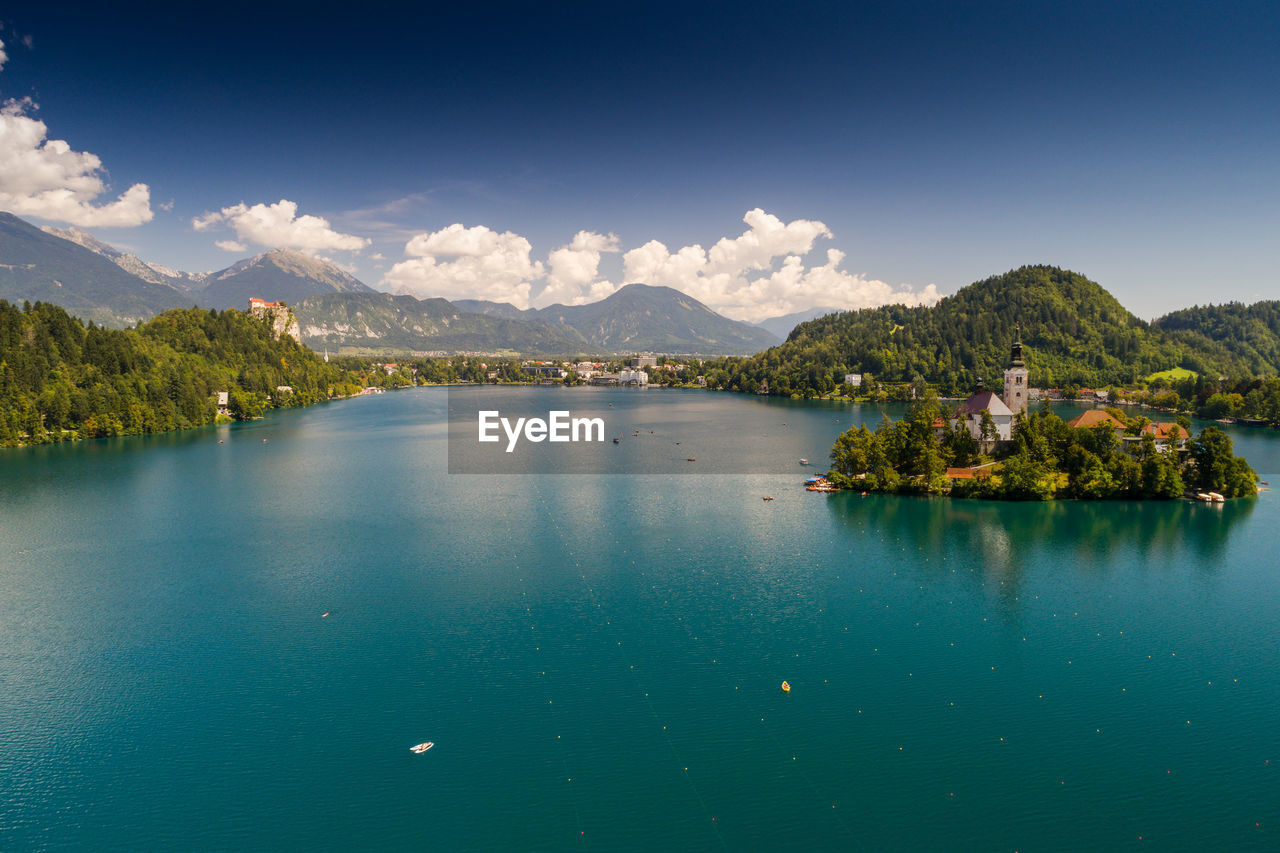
62 380
1046 459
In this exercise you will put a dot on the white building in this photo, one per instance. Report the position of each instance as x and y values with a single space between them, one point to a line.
970 414
854 379
629 376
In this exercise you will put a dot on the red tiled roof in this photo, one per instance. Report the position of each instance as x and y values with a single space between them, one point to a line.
968 473
988 400
1093 418
1162 430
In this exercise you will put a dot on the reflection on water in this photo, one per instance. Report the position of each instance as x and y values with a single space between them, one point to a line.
1096 533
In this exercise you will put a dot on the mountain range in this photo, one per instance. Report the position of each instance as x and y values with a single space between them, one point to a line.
37 266
384 322
279 275
96 281
641 318
129 262
635 318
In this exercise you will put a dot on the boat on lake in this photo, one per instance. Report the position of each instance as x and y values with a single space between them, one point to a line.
421 748
819 483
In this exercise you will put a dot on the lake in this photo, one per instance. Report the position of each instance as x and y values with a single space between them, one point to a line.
597 656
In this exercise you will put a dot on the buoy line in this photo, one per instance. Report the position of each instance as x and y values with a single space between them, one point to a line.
616 646
782 747
537 648
564 762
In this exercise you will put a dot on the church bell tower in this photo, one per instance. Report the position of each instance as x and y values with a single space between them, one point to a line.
1015 378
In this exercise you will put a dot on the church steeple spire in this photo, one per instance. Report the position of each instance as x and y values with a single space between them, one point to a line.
1015 355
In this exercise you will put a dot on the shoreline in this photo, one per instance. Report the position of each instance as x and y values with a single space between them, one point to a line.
371 390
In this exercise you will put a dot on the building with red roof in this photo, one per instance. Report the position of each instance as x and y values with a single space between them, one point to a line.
1094 418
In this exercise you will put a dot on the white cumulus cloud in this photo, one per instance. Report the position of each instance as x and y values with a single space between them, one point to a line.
795 288
4 57
45 178
467 263
278 226
231 246
575 270
737 277
760 273
767 237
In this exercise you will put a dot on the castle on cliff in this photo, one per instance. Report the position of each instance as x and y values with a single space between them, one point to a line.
281 316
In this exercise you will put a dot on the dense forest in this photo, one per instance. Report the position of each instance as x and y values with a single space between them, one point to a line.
1075 332
1251 332
1046 459
61 380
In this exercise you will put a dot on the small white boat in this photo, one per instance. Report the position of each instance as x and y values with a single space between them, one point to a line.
421 748
804 461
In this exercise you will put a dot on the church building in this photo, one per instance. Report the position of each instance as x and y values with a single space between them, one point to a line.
1002 410
970 412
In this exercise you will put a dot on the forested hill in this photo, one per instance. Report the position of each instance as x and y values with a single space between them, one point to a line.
1075 332
1250 332
61 380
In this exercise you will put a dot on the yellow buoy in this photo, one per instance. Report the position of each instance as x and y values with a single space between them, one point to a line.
786 688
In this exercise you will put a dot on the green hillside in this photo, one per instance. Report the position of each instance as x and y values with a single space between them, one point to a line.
61 380
1251 333
1075 333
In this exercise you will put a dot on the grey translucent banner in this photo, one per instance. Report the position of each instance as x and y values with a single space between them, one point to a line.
585 430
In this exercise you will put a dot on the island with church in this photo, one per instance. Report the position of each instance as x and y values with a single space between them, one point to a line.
991 446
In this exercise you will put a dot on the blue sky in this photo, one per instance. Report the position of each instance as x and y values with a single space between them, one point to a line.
455 151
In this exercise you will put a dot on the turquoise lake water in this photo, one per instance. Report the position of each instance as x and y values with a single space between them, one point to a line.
598 656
